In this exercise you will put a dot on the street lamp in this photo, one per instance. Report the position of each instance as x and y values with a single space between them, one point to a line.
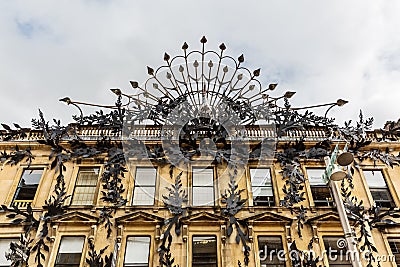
333 174
340 102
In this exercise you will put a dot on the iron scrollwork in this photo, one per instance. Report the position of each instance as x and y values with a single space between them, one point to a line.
205 93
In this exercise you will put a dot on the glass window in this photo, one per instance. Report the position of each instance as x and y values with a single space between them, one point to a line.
85 186
70 251
261 184
395 247
315 176
27 187
145 186
137 251
204 251
319 189
203 187
271 251
335 252
5 248
378 188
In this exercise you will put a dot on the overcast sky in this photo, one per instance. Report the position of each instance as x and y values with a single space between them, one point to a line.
323 50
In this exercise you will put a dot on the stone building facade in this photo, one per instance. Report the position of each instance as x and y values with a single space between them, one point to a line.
200 166
138 226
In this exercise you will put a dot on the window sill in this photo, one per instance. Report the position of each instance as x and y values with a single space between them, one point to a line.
82 206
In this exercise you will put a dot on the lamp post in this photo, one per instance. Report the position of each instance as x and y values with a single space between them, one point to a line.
332 175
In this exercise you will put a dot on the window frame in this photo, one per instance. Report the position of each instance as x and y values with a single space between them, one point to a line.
213 186
96 193
156 178
126 248
316 202
205 235
13 193
387 187
326 257
82 258
273 235
389 240
251 191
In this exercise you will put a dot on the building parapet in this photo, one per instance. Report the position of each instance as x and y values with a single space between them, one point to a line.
154 132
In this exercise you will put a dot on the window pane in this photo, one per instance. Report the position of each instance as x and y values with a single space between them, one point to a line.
31 177
337 256
262 191
69 253
145 186
143 195
71 244
28 184
68 259
264 201
203 196
87 176
26 193
204 251
260 177
378 188
203 177
85 186
271 251
395 247
380 194
5 247
83 195
322 195
319 189
145 176
315 176
137 251
382 197
374 178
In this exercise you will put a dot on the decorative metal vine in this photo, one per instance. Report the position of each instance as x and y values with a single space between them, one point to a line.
95 258
176 202
200 91
234 203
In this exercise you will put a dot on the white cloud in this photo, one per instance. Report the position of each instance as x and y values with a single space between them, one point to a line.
323 50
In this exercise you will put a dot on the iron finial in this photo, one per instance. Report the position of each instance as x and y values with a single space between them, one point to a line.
150 71
166 57
134 84
256 73
272 86
341 102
